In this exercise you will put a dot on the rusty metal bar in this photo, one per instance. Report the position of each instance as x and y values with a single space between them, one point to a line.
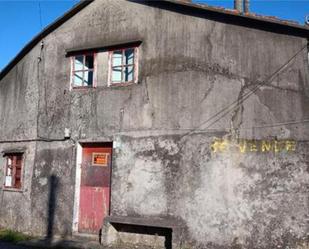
246 6
238 5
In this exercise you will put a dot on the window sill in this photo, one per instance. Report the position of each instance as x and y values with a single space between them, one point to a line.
122 84
104 87
12 189
82 87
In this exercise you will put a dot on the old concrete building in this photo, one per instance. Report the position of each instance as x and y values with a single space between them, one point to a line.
167 120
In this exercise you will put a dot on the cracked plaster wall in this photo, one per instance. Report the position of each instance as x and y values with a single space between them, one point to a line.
15 211
191 68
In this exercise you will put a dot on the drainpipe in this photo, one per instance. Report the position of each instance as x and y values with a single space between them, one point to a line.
238 5
246 6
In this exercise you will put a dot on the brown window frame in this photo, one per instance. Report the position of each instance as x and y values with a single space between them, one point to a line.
122 66
15 184
93 70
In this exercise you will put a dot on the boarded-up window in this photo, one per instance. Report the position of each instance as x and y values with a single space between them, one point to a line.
13 170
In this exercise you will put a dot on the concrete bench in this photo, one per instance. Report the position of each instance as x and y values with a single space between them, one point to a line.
171 229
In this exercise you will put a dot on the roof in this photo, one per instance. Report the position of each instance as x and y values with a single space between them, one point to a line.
249 15
50 28
221 14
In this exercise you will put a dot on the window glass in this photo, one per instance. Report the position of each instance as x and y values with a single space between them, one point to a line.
78 78
128 73
117 58
9 170
116 75
83 71
9 165
13 171
88 78
129 56
123 65
89 62
79 60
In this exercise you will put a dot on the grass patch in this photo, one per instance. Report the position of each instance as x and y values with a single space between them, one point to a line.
13 236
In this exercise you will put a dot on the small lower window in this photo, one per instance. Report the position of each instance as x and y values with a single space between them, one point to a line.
123 66
82 70
13 170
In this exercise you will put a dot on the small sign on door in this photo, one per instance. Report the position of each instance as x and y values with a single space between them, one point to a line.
100 159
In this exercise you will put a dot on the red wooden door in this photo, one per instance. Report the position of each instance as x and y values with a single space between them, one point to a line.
95 187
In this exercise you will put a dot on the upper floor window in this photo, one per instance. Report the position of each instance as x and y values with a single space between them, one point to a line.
123 66
13 170
82 70
115 65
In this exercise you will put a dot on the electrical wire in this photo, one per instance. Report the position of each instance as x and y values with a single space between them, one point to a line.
40 14
38 139
292 122
226 110
42 139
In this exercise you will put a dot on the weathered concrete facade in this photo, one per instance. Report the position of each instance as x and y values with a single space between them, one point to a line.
192 68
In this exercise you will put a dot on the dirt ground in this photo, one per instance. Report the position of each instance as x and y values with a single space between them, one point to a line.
5 245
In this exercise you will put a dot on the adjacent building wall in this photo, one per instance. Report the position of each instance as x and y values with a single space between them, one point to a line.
15 211
164 163
18 131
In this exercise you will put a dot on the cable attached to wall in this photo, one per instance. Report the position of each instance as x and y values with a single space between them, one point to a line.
38 139
231 107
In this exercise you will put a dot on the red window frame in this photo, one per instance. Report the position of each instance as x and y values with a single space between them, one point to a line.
93 70
123 65
16 168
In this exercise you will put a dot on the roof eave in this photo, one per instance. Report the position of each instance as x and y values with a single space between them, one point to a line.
30 45
249 16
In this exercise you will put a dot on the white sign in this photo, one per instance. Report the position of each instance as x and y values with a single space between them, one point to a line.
8 181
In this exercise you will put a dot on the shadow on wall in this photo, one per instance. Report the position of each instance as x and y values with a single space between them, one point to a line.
51 205
157 231
53 191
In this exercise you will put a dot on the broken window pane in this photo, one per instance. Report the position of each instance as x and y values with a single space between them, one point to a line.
88 78
128 73
79 61
89 62
129 56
